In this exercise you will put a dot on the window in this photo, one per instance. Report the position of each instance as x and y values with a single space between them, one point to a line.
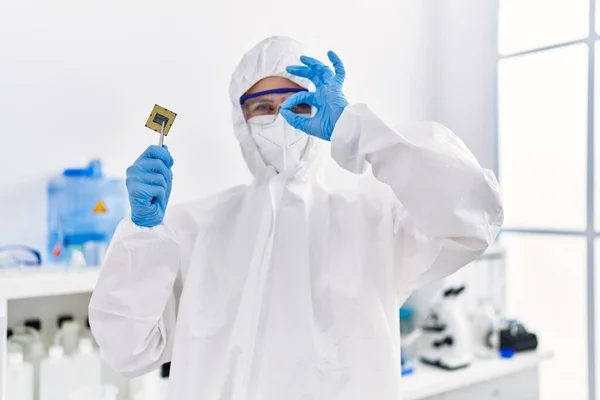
547 68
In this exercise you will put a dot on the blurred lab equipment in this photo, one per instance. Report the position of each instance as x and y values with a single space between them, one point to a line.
71 369
407 323
151 386
86 367
36 348
447 332
63 376
29 339
114 384
513 335
116 380
13 256
84 209
409 335
11 346
56 379
93 252
86 332
19 377
487 298
67 335
407 366
486 323
101 392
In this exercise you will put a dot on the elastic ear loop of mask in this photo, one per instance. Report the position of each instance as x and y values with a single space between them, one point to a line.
284 147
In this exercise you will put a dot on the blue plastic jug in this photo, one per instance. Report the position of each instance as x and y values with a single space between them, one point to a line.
84 209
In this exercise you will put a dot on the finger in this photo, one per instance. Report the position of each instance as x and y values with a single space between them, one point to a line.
295 120
144 192
151 178
160 153
300 70
311 62
338 66
154 165
299 98
320 69
306 72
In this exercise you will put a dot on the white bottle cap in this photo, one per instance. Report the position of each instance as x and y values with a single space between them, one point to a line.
36 350
78 259
70 327
13 347
14 358
56 351
85 346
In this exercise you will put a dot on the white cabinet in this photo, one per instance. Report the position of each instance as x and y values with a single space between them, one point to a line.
42 288
519 386
495 379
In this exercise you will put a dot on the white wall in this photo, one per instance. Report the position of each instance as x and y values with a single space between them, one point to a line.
454 81
78 80
457 70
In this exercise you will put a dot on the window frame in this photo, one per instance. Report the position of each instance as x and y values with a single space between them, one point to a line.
590 233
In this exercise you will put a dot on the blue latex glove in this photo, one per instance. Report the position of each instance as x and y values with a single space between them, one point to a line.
328 98
149 182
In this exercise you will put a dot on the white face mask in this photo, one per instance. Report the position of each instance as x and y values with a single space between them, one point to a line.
279 144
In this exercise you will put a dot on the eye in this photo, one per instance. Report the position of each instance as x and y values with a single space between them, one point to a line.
302 109
260 108
264 107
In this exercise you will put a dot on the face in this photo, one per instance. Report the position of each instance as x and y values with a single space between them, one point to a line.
269 104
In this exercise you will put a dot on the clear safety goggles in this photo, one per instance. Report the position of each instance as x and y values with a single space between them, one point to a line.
16 256
266 104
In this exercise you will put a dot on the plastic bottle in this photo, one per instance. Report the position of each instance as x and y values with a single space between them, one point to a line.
103 392
11 345
68 333
56 375
114 383
486 326
19 377
37 349
77 259
146 387
152 386
94 251
86 366
86 332
120 382
29 338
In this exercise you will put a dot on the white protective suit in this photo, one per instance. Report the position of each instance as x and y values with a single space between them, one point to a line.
286 289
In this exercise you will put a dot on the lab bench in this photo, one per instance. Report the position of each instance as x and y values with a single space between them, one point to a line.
492 379
497 379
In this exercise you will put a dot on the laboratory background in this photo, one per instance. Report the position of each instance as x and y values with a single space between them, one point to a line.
516 80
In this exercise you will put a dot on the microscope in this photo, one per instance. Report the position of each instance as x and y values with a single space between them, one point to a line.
447 338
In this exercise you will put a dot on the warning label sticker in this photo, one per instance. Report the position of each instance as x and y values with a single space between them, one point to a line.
100 208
